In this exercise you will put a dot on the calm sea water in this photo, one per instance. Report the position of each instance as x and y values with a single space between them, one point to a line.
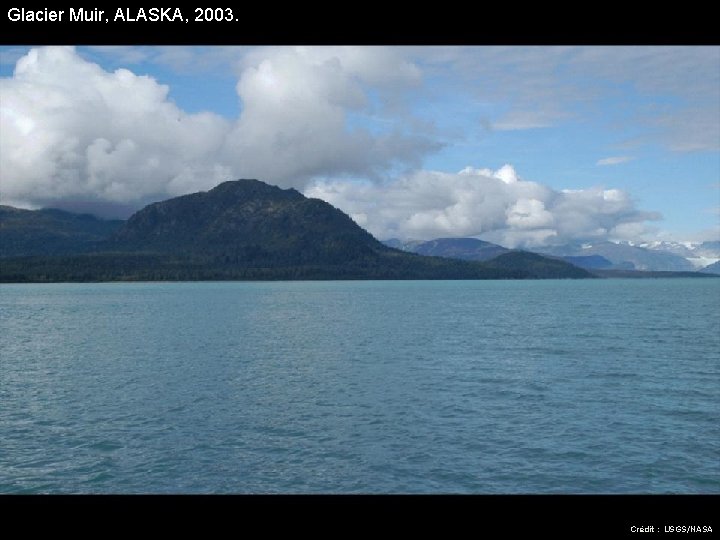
602 386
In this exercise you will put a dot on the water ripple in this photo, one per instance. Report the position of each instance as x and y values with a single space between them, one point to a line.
604 386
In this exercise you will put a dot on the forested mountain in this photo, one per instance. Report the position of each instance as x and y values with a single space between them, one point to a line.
246 229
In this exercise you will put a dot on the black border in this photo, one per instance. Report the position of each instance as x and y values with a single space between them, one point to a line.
447 24
572 516
504 516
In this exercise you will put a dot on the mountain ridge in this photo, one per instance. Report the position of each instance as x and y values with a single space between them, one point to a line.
605 255
50 231
713 268
246 229
470 249
246 218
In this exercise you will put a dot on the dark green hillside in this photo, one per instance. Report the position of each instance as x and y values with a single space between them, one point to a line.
248 230
536 266
248 222
50 232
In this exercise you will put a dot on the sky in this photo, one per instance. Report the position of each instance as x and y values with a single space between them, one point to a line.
523 146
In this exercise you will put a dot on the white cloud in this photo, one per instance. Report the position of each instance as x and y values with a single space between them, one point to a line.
498 206
294 121
71 132
617 160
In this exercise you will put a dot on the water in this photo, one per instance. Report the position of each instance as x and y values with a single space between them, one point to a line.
602 386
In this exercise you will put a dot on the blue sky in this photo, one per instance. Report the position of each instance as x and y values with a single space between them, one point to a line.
605 142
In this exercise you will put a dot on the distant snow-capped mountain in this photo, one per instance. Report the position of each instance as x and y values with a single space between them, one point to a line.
625 256
699 254
660 256
712 268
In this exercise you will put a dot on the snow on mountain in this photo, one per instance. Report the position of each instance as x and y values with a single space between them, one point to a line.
699 254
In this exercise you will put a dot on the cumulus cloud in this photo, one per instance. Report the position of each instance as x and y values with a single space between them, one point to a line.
294 122
498 206
617 160
72 133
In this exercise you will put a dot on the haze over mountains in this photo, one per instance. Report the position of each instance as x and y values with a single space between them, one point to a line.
469 249
243 229
657 257
713 268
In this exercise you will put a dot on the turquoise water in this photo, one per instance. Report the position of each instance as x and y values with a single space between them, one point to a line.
602 386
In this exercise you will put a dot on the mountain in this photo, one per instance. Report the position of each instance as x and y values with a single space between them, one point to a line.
713 268
472 249
50 232
247 229
698 254
601 256
469 249
589 262
710 248
536 266
403 245
650 256
248 220
648 274
683 249
624 256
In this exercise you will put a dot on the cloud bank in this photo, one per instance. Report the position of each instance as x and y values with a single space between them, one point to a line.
72 133
497 205
75 136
